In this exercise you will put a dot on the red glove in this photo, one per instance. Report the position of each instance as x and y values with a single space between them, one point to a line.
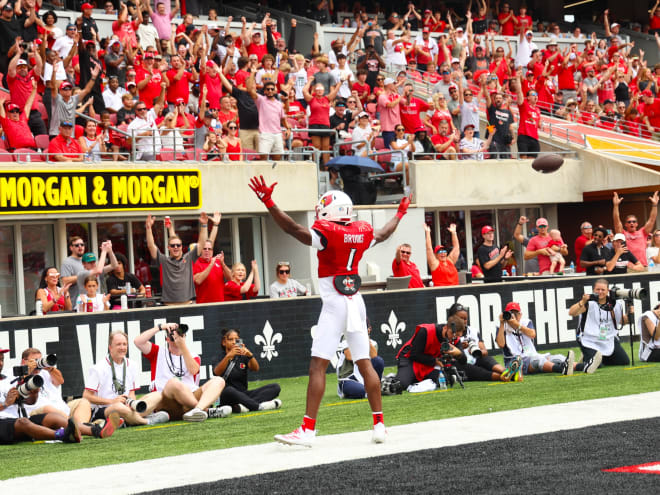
263 191
403 207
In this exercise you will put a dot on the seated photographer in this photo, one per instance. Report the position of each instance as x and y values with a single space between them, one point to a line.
480 366
649 344
175 372
515 336
350 383
601 317
50 396
112 384
233 364
16 427
421 358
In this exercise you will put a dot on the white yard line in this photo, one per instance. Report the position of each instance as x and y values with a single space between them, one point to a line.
256 459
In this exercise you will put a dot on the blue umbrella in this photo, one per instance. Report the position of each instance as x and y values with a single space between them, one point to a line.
356 161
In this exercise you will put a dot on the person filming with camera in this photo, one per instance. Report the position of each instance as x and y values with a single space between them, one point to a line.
424 356
601 317
622 259
175 373
515 336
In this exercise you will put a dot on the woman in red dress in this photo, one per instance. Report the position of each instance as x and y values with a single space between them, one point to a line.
52 296
239 287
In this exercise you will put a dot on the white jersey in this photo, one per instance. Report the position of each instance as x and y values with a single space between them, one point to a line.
516 342
49 395
5 386
165 365
100 379
599 329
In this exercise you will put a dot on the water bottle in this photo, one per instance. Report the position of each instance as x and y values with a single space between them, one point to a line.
124 301
651 265
505 273
571 268
309 289
128 288
442 382
38 309
513 271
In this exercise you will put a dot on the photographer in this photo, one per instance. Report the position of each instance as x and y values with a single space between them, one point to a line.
15 428
480 366
515 336
649 344
601 318
233 365
112 384
421 357
50 396
175 372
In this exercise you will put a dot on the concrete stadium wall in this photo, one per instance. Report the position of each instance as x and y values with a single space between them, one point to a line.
279 332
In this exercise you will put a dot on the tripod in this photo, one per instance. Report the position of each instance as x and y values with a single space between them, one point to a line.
630 310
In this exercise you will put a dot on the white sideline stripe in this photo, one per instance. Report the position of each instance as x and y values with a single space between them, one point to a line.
216 465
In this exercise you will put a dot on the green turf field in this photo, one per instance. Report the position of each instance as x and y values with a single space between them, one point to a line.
336 416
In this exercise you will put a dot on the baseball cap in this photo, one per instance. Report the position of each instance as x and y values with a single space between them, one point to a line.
149 55
647 92
608 101
389 80
68 26
362 115
4 351
210 63
455 61
8 7
619 237
213 27
420 128
21 61
12 106
66 85
530 73
86 6
459 28
340 104
425 30
130 83
541 221
113 42
439 247
513 306
179 101
486 228
89 258
614 24
66 123
468 126
527 33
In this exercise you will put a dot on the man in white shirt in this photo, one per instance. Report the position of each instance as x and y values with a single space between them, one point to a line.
111 385
147 32
525 48
112 96
145 131
63 44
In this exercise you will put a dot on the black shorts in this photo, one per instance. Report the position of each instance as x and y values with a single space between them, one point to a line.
319 134
527 144
7 427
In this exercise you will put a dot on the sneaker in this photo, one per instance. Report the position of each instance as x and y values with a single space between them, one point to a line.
378 436
592 365
220 412
195 414
297 437
242 408
111 424
158 418
509 373
518 377
270 405
567 368
72 433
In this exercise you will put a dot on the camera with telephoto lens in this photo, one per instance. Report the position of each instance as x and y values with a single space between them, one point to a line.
180 329
139 406
507 315
616 293
473 348
26 383
47 361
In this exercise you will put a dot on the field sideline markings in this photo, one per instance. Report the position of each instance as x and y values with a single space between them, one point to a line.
257 413
638 367
172 425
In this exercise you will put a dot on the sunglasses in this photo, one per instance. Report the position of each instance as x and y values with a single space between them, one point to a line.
405 252
542 226
282 272
232 127
445 72
207 249
15 110
174 246
442 251
586 226
532 94
80 244
467 94
380 79
631 221
140 109
400 130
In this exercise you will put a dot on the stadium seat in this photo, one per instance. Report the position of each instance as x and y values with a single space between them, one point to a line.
250 155
3 145
42 140
113 118
5 156
80 130
22 155
42 110
166 155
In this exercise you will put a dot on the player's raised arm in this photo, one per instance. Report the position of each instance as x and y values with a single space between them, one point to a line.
286 223
388 229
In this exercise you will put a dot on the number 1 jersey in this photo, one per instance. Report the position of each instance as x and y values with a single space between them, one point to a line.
340 246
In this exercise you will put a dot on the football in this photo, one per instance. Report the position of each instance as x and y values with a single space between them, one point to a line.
548 163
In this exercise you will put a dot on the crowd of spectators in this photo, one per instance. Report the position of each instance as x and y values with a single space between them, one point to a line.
179 90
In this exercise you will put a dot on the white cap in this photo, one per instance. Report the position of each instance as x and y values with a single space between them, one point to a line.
454 60
619 237
614 24
214 27
389 80
528 32
459 28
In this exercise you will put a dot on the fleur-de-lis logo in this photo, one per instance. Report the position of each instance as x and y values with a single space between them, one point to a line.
335 358
393 328
268 341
